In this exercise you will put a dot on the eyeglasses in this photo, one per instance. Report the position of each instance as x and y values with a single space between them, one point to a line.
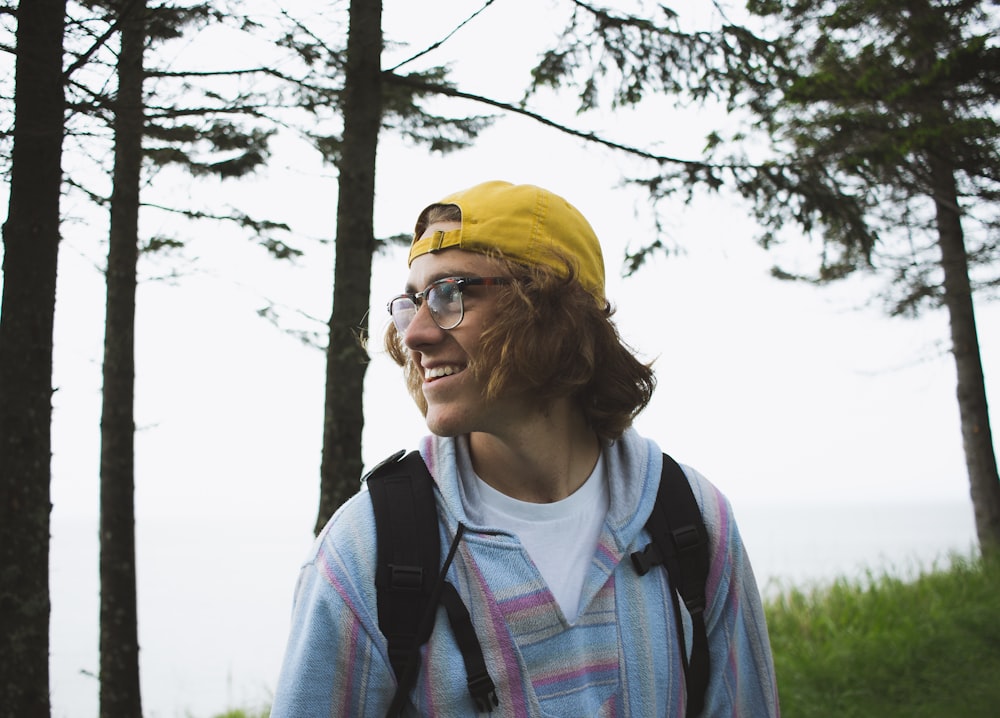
444 300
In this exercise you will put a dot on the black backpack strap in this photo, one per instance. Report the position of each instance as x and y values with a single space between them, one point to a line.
481 686
409 582
680 543
409 553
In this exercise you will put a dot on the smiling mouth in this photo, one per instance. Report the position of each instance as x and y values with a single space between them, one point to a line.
441 371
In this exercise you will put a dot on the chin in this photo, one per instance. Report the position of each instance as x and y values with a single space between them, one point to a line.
441 423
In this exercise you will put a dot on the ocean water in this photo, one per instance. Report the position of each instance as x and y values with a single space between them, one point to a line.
215 595
803 546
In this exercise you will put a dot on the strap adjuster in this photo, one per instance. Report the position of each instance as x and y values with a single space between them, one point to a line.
645 560
405 578
686 538
483 692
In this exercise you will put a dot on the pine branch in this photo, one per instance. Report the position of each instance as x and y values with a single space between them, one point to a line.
214 73
442 41
411 82
100 41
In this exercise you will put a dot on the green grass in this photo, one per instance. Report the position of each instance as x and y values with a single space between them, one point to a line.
888 648
883 647
239 713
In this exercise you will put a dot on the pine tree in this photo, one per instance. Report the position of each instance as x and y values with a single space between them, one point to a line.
31 243
882 115
119 641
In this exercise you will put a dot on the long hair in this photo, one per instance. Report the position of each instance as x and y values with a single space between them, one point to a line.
551 339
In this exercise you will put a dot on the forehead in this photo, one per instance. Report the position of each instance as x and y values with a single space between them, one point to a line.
428 268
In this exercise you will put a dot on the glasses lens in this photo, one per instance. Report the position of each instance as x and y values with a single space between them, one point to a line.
444 299
402 310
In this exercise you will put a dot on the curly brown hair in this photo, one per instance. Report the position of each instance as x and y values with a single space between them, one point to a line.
551 339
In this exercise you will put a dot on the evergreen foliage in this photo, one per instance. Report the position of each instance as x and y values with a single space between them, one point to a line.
860 97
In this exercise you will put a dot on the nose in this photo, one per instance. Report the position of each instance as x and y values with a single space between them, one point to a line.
423 329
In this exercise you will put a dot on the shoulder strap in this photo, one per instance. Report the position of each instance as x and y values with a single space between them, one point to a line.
680 544
409 581
409 553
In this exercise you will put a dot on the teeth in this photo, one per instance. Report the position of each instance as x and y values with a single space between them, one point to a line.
440 371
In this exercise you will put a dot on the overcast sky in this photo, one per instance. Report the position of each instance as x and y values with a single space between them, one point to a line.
777 391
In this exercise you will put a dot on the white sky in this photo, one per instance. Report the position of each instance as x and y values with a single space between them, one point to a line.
777 391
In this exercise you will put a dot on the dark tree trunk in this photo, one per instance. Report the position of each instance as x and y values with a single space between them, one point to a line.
119 645
346 359
977 436
31 245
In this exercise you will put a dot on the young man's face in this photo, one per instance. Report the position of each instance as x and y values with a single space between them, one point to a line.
454 397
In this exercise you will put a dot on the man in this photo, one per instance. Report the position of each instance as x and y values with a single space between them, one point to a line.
542 488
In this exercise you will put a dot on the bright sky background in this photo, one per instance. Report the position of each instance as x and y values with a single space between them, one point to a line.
779 393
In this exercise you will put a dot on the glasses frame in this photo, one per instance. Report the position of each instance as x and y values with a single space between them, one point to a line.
460 283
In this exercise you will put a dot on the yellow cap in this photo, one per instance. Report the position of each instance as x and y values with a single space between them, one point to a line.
525 223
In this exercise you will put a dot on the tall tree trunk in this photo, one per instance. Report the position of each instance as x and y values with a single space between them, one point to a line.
119 645
346 360
31 246
977 436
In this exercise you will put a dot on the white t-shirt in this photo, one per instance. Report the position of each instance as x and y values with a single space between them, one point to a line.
560 537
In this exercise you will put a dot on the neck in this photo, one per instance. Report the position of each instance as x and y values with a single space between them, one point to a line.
545 458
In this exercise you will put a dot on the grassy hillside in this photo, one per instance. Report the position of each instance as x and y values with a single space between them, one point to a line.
885 648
